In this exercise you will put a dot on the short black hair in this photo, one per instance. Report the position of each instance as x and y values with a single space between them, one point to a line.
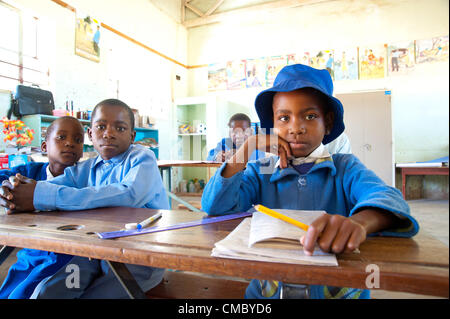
240 117
115 102
51 127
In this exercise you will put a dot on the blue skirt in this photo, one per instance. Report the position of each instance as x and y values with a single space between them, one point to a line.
31 267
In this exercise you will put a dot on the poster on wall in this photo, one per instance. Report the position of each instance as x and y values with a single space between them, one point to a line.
372 62
432 50
217 77
400 58
291 59
87 37
236 78
322 59
256 72
304 58
274 66
346 64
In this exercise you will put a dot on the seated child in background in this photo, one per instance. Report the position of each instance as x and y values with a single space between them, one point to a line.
304 116
239 130
340 144
122 175
64 147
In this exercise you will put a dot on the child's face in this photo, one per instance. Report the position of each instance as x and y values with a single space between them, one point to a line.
240 131
300 120
64 145
111 132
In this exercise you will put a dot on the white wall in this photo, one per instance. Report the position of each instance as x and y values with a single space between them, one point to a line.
146 80
419 101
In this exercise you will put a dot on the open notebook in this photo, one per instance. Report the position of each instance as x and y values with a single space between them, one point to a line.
265 238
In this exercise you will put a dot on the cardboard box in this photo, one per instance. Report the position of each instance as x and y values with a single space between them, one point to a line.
4 162
16 160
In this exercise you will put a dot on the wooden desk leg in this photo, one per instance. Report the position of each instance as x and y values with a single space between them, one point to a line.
127 280
404 184
5 251
175 197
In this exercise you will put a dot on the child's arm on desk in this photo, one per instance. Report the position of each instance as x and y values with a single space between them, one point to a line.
266 143
337 234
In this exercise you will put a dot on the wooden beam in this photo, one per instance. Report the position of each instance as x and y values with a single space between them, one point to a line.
117 32
214 7
194 9
275 5
183 11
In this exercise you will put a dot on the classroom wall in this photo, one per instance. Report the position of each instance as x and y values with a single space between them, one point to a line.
145 80
419 100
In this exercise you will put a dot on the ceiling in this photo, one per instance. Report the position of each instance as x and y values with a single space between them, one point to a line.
194 13
201 12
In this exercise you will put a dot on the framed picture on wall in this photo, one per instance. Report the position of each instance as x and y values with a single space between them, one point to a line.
400 58
236 78
372 62
217 77
346 64
274 65
322 59
87 37
256 72
432 50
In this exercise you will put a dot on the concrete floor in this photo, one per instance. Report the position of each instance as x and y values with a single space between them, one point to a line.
433 218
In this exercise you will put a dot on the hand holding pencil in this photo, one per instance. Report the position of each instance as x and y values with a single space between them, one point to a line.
333 233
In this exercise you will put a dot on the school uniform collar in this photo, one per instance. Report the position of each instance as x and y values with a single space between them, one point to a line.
321 152
49 174
320 156
115 160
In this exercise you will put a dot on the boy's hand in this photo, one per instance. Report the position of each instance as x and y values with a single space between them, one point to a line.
272 144
337 234
6 196
22 190
333 233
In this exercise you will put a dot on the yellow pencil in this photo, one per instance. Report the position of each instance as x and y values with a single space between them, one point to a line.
268 211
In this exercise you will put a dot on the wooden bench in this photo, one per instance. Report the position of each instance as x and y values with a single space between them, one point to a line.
187 285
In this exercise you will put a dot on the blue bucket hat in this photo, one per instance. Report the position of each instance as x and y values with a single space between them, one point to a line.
298 76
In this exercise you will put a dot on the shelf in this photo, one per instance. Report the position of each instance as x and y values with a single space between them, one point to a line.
182 194
51 118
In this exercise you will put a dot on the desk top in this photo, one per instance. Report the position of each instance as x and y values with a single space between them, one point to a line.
186 163
417 265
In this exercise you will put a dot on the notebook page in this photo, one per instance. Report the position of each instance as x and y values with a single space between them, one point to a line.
235 245
270 229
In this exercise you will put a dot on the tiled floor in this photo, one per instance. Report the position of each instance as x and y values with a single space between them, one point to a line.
432 215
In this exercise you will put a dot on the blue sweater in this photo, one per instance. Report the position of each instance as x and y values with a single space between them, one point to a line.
36 171
32 265
342 186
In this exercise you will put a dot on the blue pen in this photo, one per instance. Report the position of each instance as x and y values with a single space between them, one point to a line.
143 223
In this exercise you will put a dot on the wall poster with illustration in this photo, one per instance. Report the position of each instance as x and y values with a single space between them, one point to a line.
346 64
87 37
400 57
372 62
432 50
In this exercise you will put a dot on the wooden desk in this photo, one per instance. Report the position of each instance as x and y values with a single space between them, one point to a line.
410 169
418 265
166 165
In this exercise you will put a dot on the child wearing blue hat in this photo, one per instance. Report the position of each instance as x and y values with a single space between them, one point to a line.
300 116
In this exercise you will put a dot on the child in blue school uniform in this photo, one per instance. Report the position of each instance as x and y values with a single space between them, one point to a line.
304 116
64 147
122 175
240 129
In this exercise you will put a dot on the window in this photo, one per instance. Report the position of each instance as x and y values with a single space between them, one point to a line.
19 59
